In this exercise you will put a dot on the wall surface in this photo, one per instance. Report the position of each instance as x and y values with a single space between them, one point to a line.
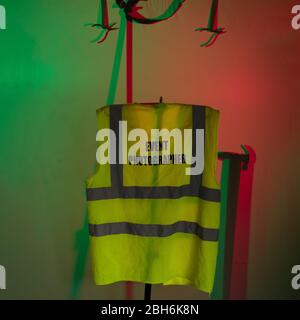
52 79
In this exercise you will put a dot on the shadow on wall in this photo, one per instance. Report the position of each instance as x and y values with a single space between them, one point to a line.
81 237
81 248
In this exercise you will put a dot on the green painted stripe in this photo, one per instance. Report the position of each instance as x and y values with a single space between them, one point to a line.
218 291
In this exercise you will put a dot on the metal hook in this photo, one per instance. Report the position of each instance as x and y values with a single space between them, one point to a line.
212 26
106 28
215 34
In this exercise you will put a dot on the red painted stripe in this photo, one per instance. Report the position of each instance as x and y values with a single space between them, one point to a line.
105 18
238 290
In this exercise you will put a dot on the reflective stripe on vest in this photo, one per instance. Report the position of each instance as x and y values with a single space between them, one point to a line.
153 230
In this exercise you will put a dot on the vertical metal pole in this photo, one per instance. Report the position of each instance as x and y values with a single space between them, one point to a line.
129 93
129 61
147 295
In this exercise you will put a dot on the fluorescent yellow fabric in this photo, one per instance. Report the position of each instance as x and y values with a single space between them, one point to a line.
180 258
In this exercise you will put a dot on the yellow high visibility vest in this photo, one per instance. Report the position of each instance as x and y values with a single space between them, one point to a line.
150 221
